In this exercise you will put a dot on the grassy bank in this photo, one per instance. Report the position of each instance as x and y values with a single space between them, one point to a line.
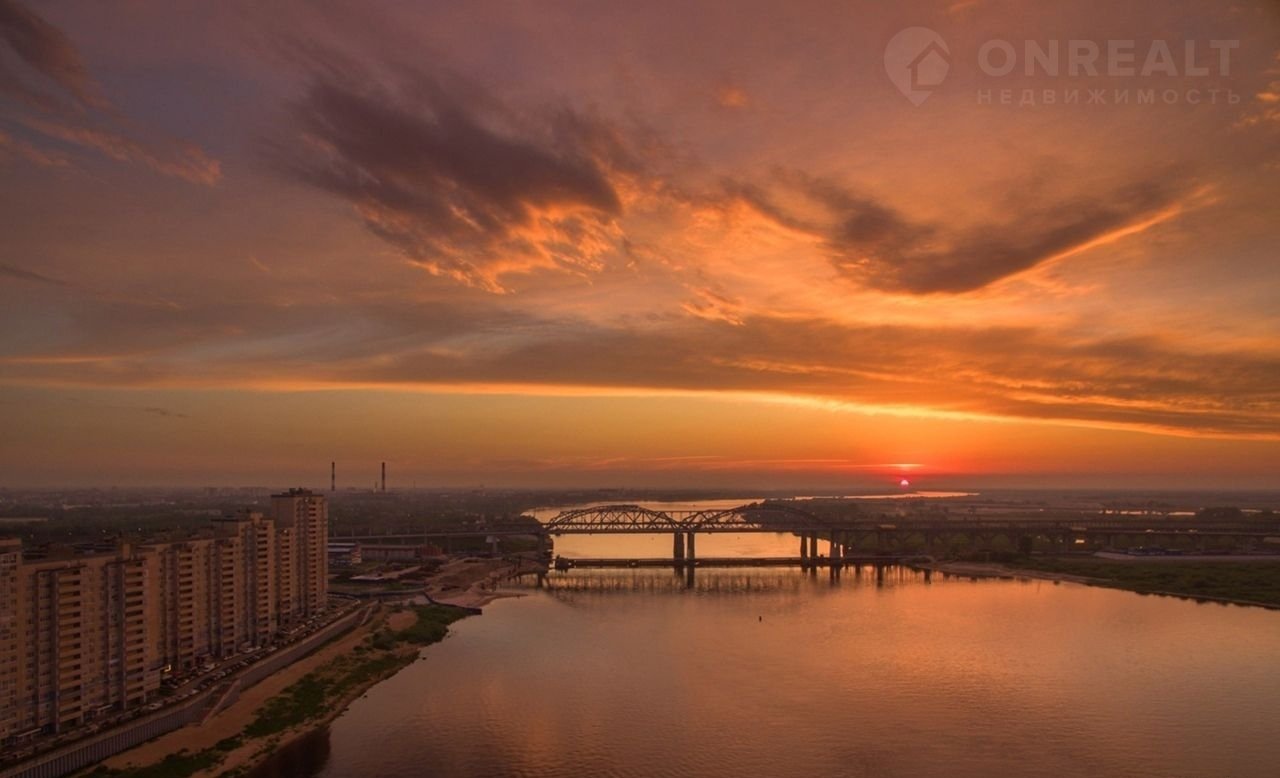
315 697
1253 582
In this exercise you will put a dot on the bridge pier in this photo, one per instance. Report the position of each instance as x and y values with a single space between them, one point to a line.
689 561
677 549
804 551
813 545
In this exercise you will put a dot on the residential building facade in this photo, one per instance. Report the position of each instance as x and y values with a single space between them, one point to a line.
82 635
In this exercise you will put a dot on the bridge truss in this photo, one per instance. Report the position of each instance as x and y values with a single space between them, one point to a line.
618 519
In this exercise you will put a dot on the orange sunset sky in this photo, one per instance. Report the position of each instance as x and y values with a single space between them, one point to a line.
659 243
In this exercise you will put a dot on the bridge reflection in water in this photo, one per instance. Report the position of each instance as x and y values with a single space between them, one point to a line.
725 580
685 526
685 567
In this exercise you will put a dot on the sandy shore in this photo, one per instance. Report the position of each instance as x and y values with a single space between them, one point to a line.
471 583
232 721
468 583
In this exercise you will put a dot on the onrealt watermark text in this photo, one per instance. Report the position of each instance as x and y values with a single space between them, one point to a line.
918 61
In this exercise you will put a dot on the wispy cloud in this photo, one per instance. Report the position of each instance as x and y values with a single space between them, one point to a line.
20 274
75 111
11 146
1146 383
164 413
183 160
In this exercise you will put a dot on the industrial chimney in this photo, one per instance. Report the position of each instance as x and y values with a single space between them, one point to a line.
333 476
384 476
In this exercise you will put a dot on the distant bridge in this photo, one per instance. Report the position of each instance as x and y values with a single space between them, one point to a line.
634 519
845 533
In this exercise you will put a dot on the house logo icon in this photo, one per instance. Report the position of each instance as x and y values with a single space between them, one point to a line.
917 60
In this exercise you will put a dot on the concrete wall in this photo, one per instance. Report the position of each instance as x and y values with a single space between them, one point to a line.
92 750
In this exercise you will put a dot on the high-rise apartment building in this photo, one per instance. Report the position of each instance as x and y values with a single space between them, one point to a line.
85 640
83 634
302 524
256 561
10 633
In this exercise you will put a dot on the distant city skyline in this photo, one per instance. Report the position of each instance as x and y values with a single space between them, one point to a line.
709 245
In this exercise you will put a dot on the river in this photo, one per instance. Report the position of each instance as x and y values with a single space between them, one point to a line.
770 672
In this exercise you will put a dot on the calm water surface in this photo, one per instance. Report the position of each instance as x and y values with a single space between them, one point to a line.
777 672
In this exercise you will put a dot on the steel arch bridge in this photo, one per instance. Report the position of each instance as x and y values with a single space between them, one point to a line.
635 519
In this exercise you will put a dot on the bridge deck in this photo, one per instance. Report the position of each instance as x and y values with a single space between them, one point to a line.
777 561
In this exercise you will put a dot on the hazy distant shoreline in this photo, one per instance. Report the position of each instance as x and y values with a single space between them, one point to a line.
1246 580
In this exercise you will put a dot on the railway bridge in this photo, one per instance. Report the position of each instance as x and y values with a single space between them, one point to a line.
842 535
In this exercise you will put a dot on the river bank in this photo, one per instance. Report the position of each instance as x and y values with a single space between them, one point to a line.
311 692
1254 581
289 704
475 582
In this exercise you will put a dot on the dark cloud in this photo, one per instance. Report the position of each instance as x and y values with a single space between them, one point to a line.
878 247
465 190
46 49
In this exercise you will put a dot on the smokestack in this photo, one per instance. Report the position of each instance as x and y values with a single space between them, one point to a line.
333 476
384 476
